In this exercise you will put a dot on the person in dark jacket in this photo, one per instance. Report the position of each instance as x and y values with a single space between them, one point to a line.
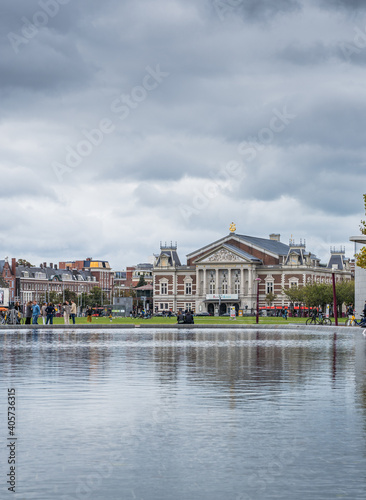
50 312
180 317
28 313
189 318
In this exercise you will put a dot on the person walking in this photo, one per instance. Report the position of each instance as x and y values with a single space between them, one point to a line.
67 309
73 312
43 312
88 315
36 312
28 313
350 311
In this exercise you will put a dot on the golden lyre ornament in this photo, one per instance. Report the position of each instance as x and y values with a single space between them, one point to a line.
232 227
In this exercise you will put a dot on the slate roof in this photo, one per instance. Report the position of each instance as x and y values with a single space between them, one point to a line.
336 259
51 273
271 245
173 258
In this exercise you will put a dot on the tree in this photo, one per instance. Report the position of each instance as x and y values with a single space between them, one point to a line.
96 297
345 291
23 262
294 293
270 297
361 255
141 282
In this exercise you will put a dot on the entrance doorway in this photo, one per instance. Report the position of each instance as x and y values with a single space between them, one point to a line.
211 309
223 309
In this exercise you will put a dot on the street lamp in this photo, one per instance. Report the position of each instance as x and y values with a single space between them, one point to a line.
258 280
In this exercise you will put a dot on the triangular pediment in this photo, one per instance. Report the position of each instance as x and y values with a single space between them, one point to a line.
222 255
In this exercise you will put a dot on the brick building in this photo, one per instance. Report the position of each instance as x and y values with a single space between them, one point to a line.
99 269
224 273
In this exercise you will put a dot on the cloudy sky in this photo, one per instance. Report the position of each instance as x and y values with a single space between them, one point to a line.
129 122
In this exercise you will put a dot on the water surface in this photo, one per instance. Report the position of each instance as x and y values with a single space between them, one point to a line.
175 414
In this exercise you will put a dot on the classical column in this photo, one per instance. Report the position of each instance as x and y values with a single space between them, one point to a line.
204 283
250 281
229 281
242 282
217 284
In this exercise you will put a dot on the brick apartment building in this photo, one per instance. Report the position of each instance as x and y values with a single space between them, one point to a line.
99 269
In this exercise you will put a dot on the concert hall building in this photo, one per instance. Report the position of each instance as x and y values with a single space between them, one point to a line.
226 273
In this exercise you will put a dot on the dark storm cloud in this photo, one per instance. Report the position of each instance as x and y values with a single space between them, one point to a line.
229 74
254 9
344 4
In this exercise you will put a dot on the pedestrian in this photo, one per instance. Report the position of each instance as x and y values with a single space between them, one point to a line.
73 312
67 309
50 311
28 313
88 315
43 312
19 315
36 312
350 311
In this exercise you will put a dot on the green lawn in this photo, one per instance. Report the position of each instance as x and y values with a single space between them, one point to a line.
199 320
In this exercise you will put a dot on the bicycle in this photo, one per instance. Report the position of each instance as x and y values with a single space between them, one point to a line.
318 320
352 321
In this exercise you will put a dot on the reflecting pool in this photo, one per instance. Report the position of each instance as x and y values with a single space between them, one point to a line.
184 414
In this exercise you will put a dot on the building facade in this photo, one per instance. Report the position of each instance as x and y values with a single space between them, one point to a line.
99 269
226 273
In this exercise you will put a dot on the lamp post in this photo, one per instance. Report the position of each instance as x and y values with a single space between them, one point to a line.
258 280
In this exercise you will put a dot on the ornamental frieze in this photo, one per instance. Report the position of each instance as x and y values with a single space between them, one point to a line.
223 256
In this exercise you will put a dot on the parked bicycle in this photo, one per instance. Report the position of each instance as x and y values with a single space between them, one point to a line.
352 321
318 319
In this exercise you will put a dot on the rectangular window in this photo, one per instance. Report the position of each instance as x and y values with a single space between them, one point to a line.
166 306
269 287
188 306
212 287
164 288
188 288
237 287
161 306
224 287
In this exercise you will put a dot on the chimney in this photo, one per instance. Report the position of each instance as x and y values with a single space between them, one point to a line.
56 266
44 264
13 266
275 237
51 265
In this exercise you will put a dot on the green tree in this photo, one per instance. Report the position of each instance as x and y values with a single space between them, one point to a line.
361 255
270 297
23 262
294 294
345 291
96 297
142 281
